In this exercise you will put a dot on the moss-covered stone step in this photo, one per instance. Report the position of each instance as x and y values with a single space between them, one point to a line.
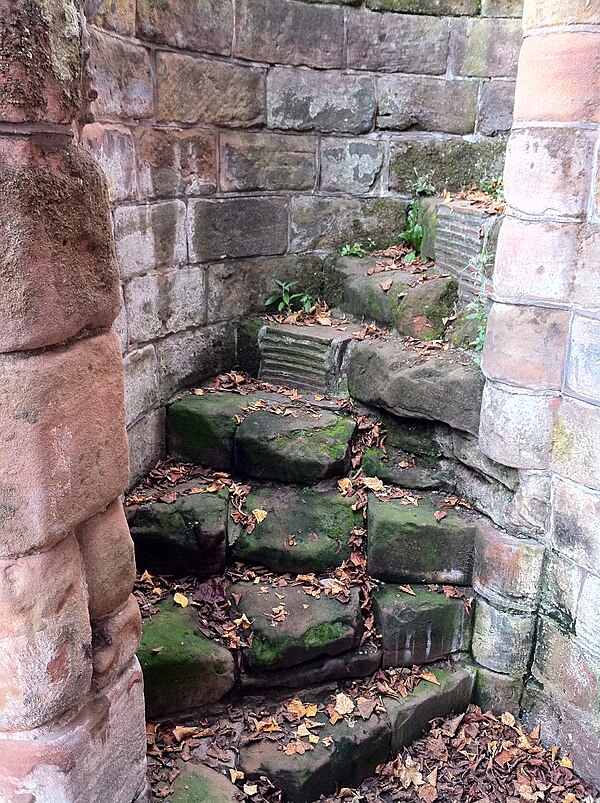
187 536
198 783
305 448
291 627
305 530
425 309
420 629
183 670
408 544
446 386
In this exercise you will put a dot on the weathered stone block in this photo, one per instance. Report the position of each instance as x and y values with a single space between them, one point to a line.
189 671
420 629
150 237
501 8
45 636
443 387
407 544
497 693
502 641
194 90
424 311
289 449
352 166
198 25
115 639
516 427
531 502
561 586
526 346
281 32
496 104
121 75
539 181
586 287
112 146
373 43
63 450
257 161
184 537
58 273
362 295
112 15
326 223
575 438
40 55
485 494
237 227
427 104
307 100
141 385
543 13
107 552
434 7
587 624
583 373
485 47
573 528
175 162
449 162
466 449
306 530
199 782
146 444
160 303
507 569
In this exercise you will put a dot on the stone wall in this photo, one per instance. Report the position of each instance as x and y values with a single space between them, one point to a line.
243 140
541 410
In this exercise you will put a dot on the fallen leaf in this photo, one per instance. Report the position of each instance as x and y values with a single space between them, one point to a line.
429 677
407 590
566 762
438 515
236 775
386 285
373 483
343 704
259 514
250 788
507 719
180 732
181 599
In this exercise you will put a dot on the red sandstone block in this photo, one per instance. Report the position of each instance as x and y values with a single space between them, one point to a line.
114 15
115 639
526 346
107 552
112 146
201 25
543 13
535 261
59 273
548 171
557 75
485 47
63 449
516 427
40 65
45 637
575 439
98 757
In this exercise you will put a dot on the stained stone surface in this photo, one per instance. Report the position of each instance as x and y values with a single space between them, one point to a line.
197 782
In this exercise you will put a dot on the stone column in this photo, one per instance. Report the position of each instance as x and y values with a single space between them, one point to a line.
71 697
541 410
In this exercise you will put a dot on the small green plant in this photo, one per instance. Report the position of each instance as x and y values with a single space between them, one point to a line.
477 312
493 186
357 249
423 185
285 301
413 234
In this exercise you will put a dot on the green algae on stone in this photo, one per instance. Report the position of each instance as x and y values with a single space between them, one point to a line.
183 670
198 783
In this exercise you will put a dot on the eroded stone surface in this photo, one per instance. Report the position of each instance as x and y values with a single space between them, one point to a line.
199 782
424 310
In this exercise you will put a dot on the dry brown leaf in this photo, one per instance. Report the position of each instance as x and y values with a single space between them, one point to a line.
429 677
407 590
180 732
343 704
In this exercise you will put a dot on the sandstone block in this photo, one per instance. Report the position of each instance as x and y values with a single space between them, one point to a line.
373 40
502 641
150 237
466 449
58 274
199 782
497 693
189 672
485 47
507 569
496 104
199 25
531 502
587 624
539 180
112 15
160 303
516 428
307 100
501 8
108 559
141 385
361 294
237 227
45 636
583 372
251 162
544 13
424 311
121 77
184 537
485 494
526 346
352 166
120 325
560 589
574 443
63 450
534 260
433 7
115 639
407 544
113 147
422 103
573 528
195 90
280 32
41 62
420 629
586 287
146 444
175 162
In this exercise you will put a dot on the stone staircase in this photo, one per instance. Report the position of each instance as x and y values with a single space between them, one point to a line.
334 520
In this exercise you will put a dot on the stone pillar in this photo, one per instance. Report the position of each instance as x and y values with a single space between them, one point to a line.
71 696
541 411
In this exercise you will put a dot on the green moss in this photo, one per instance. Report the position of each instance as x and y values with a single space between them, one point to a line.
562 440
323 634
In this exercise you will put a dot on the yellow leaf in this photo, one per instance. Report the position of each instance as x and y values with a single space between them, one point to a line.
343 704
296 707
236 775
181 599
311 710
259 514
250 788
345 485
180 732
566 762
313 738
198 392
429 676
146 577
